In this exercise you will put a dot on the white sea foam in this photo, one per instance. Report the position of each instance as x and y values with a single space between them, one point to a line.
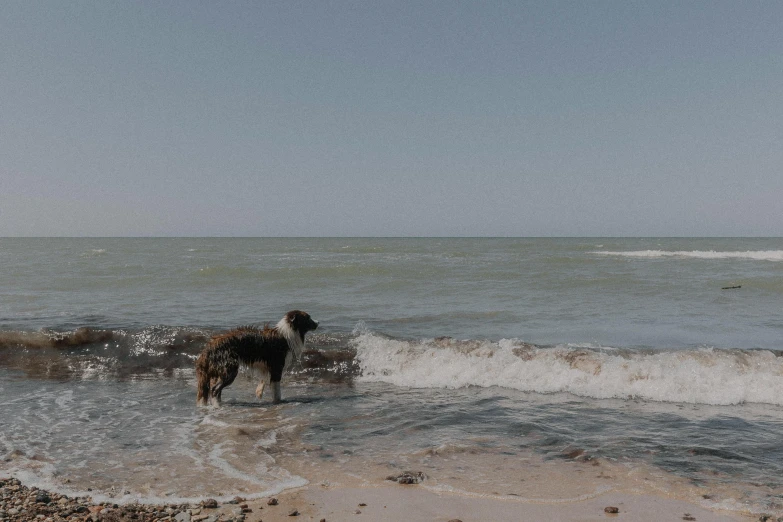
703 376
757 255
94 252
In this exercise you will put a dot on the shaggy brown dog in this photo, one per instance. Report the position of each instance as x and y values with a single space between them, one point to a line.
268 350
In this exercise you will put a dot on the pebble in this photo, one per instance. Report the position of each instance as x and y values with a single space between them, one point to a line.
611 509
272 502
210 503
20 503
294 513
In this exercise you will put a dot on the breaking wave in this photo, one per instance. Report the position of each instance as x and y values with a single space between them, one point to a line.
756 255
701 376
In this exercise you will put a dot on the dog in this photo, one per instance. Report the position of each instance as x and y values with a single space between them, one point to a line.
267 350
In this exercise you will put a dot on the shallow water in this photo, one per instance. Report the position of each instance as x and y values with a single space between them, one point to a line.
501 367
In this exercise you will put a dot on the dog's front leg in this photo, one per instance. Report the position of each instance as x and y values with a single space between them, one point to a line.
276 392
260 389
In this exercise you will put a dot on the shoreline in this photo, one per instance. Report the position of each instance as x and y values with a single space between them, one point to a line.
372 503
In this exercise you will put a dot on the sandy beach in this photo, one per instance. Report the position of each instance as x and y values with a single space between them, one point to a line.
411 503
379 503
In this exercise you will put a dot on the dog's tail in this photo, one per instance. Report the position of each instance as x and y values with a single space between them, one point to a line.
202 385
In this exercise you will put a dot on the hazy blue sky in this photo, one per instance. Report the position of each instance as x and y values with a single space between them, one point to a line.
391 118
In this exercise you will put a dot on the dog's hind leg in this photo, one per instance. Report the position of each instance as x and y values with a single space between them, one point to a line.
218 383
260 389
215 390
276 392
202 386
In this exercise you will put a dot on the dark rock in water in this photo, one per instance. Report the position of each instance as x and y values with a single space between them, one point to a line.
611 509
272 502
574 453
731 287
408 477
209 503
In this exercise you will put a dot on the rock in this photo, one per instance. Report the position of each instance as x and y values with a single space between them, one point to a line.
357 512
272 502
455 520
688 516
408 477
362 504
42 498
611 509
182 516
294 513
322 520
209 503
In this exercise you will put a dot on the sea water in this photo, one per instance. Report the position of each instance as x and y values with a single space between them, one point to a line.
543 370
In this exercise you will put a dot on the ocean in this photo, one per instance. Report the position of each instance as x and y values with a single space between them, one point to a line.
539 370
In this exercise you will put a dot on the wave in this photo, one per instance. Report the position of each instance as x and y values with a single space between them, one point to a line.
699 376
154 351
756 255
702 376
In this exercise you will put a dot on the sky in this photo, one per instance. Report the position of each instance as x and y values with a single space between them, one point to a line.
391 118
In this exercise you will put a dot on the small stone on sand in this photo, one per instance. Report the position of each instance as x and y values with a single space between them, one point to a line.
611 509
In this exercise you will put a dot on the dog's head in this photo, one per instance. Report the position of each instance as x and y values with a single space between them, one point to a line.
300 322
